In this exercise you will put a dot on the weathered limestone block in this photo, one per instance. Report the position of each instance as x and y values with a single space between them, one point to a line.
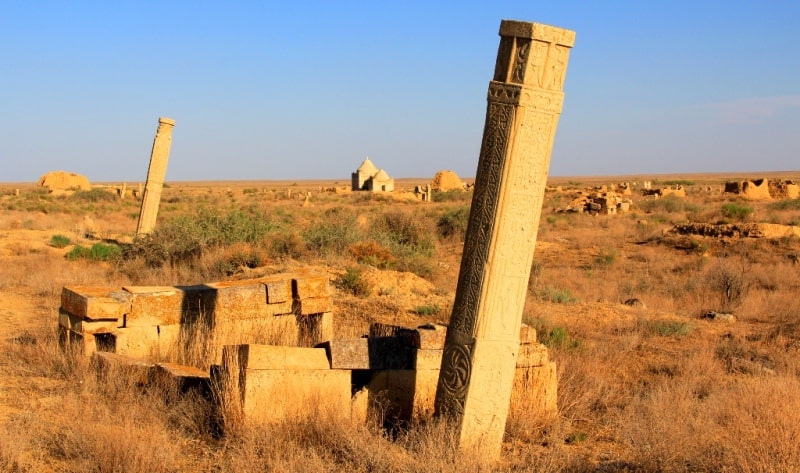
537 387
348 354
531 355
271 357
234 300
279 289
309 286
82 344
94 302
271 383
427 359
313 305
169 305
146 342
83 326
403 395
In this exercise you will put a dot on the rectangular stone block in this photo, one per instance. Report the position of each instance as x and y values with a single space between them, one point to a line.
403 394
309 286
143 342
271 357
275 395
313 305
430 337
169 305
348 354
94 302
537 388
236 300
279 289
83 326
427 359
532 355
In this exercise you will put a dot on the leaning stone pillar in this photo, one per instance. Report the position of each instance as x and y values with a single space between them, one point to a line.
524 103
155 176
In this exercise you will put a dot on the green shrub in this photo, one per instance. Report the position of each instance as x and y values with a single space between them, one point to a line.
104 252
426 310
184 238
333 232
353 281
666 328
77 252
451 196
606 258
93 195
736 212
453 223
789 204
668 204
559 296
59 241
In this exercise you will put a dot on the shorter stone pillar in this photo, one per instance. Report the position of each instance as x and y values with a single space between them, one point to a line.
155 176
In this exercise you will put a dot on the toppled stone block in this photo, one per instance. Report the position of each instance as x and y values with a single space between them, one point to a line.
527 334
537 387
429 337
83 326
169 305
181 378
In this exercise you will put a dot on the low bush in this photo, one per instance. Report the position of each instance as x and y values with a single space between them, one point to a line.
452 224
59 241
353 281
736 212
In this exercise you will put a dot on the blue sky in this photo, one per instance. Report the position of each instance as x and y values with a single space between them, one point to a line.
263 90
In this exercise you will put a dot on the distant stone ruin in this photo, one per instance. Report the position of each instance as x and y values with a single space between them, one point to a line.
598 202
756 189
445 181
369 178
270 349
677 191
762 189
62 181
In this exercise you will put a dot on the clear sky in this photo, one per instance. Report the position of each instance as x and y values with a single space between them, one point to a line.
306 90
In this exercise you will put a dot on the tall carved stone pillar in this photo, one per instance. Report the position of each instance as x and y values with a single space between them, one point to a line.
524 103
156 173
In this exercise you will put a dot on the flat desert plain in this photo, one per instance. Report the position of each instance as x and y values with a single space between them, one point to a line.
676 349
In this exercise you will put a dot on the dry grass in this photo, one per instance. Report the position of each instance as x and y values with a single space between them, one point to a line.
647 387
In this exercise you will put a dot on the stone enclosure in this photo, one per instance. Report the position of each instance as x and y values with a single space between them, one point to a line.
265 349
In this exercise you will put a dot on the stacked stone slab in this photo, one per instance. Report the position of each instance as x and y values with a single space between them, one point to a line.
600 202
167 322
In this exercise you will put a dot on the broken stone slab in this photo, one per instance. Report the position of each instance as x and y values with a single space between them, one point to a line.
94 302
272 357
279 289
427 359
429 337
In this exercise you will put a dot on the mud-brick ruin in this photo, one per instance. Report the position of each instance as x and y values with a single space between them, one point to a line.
266 348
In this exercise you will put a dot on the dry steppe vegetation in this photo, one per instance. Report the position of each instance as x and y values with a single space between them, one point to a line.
647 385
